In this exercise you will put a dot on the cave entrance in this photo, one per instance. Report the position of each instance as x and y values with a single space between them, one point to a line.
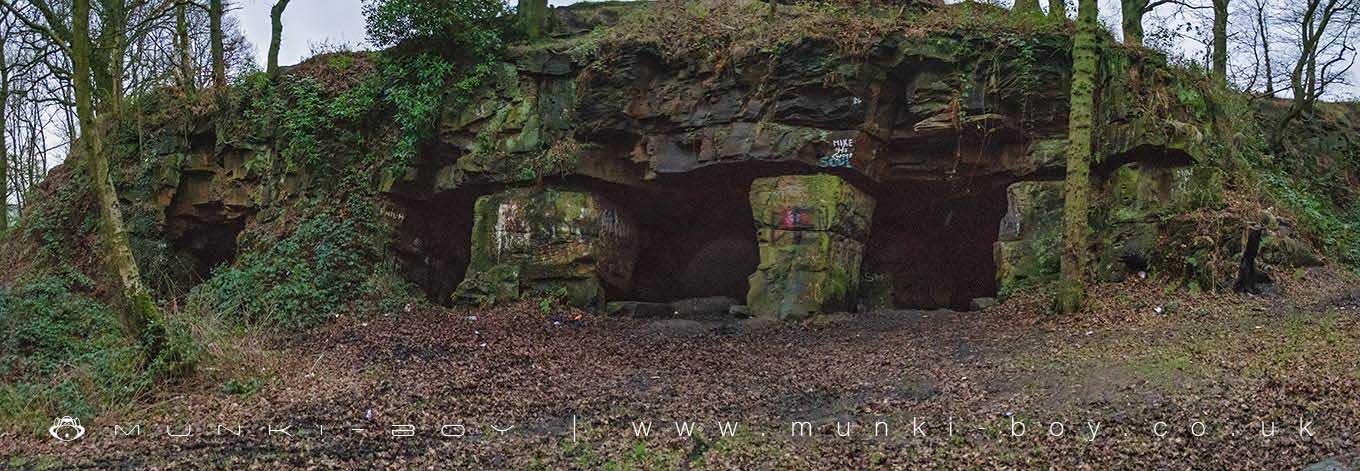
434 242
698 236
933 241
209 243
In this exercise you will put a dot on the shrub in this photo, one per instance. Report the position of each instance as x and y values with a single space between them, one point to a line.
328 262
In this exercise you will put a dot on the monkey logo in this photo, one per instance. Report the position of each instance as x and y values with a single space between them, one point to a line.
66 429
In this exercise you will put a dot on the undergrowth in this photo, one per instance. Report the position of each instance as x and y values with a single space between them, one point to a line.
67 354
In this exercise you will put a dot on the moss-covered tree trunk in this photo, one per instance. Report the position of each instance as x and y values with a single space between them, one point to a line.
1131 19
183 44
1072 284
1027 7
275 36
533 16
1220 59
219 59
140 315
1057 10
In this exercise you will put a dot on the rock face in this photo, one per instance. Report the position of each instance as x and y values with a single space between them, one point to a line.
548 242
690 175
1030 238
811 231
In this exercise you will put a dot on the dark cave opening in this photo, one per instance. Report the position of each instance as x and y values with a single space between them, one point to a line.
934 241
434 242
210 244
698 233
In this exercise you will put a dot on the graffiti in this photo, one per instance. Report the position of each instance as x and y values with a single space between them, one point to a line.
508 232
391 214
614 226
793 218
840 157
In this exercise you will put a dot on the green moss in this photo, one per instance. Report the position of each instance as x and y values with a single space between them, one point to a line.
542 241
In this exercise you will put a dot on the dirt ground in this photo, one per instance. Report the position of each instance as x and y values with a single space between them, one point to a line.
1145 380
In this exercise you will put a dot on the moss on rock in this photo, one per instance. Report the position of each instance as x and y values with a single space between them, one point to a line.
548 241
811 231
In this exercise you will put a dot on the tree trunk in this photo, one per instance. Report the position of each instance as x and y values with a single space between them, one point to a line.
1057 10
533 14
1131 13
219 60
106 58
1264 31
1072 284
140 315
1027 8
1220 59
275 36
1246 271
4 149
186 60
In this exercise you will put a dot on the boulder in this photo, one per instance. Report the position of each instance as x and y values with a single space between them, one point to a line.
979 304
811 231
548 241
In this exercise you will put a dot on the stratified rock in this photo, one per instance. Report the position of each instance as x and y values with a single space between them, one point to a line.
639 310
546 241
707 306
1029 241
811 231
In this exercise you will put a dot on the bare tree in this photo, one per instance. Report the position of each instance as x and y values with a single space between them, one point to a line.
533 15
1325 33
1220 47
1255 37
141 316
1132 13
1076 219
5 27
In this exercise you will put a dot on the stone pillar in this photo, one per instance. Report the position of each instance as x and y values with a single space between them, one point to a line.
544 241
811 231
1029 240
